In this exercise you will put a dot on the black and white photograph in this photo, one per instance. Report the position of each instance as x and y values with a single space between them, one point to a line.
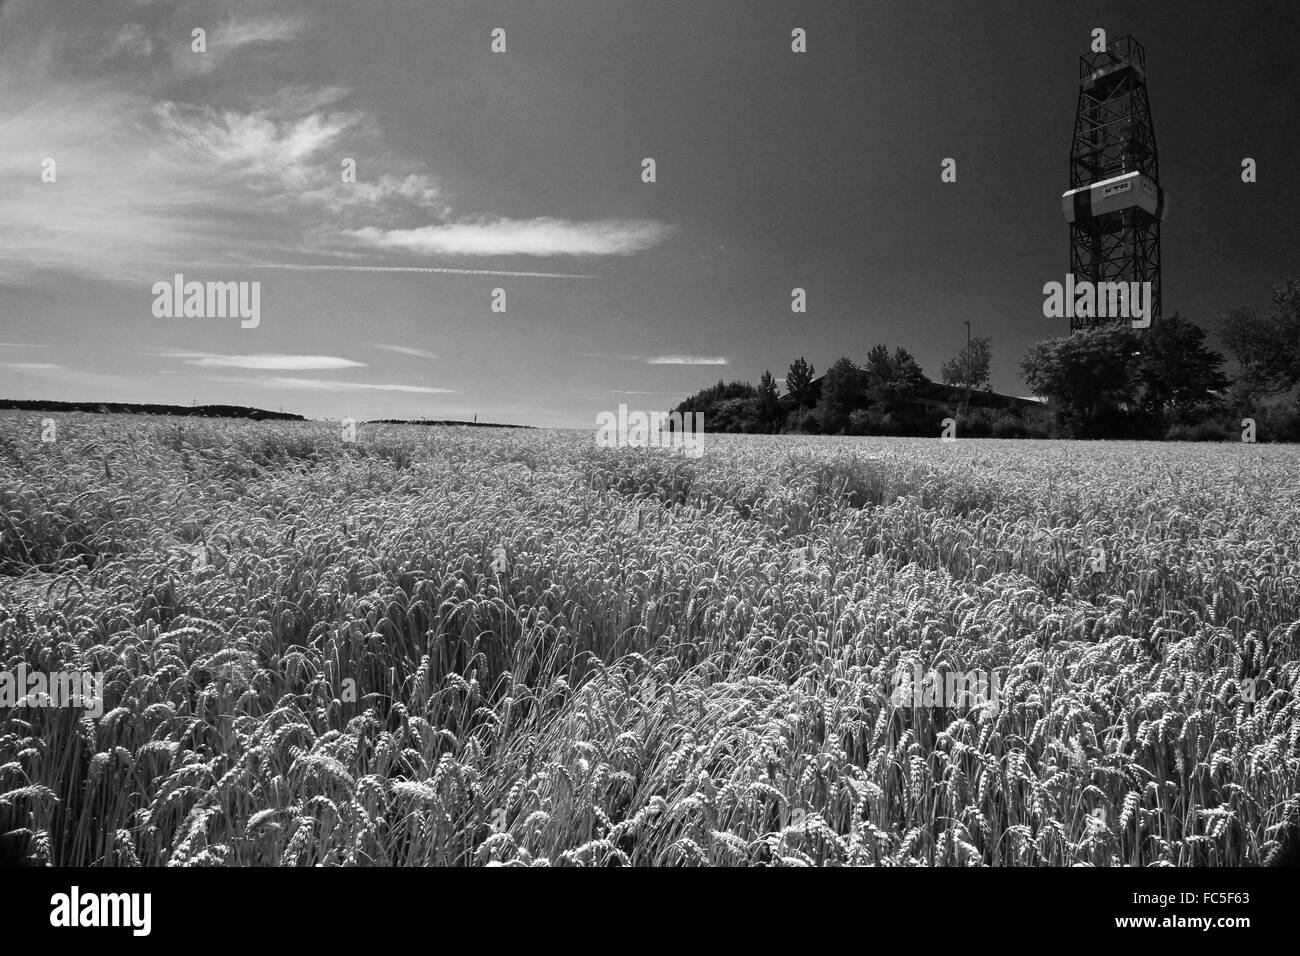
650 433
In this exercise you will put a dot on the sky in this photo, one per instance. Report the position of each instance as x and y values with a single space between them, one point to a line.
522 171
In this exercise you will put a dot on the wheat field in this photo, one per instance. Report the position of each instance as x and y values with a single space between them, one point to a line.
453 647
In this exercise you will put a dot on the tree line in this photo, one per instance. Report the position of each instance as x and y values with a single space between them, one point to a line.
1162 382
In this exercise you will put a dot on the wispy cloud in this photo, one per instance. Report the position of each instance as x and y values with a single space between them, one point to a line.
232 36
290 267
686 360
147 181
520 237
325 385
404 350
28 366
264 360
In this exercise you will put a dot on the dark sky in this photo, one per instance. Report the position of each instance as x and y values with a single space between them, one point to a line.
775 171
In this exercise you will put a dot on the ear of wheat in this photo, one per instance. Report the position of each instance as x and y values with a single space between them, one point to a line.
678 662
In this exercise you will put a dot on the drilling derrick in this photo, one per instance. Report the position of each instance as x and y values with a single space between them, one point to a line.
1115 204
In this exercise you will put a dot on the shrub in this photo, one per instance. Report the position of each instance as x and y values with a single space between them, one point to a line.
1277 419
1208 430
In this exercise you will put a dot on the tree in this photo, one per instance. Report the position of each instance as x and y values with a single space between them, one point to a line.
727 407
798 382
734 415
1175 369
1087 377
1267 347
841 394
969 368
892 381
769 405
877 368
908 374
1116 382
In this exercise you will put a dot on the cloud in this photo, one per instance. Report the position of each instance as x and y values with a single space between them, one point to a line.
405 350
28 366
270 153
132 40
143 182
263 360
686 360
148 181
301 100
385 195
138 188
522 237
231 37
291 267
233 34
325 385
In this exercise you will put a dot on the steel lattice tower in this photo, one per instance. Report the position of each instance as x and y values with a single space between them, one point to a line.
1115 204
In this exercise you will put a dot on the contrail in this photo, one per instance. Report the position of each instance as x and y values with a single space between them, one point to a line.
290 267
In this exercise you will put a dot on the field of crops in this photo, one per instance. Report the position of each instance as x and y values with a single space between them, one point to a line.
460 647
